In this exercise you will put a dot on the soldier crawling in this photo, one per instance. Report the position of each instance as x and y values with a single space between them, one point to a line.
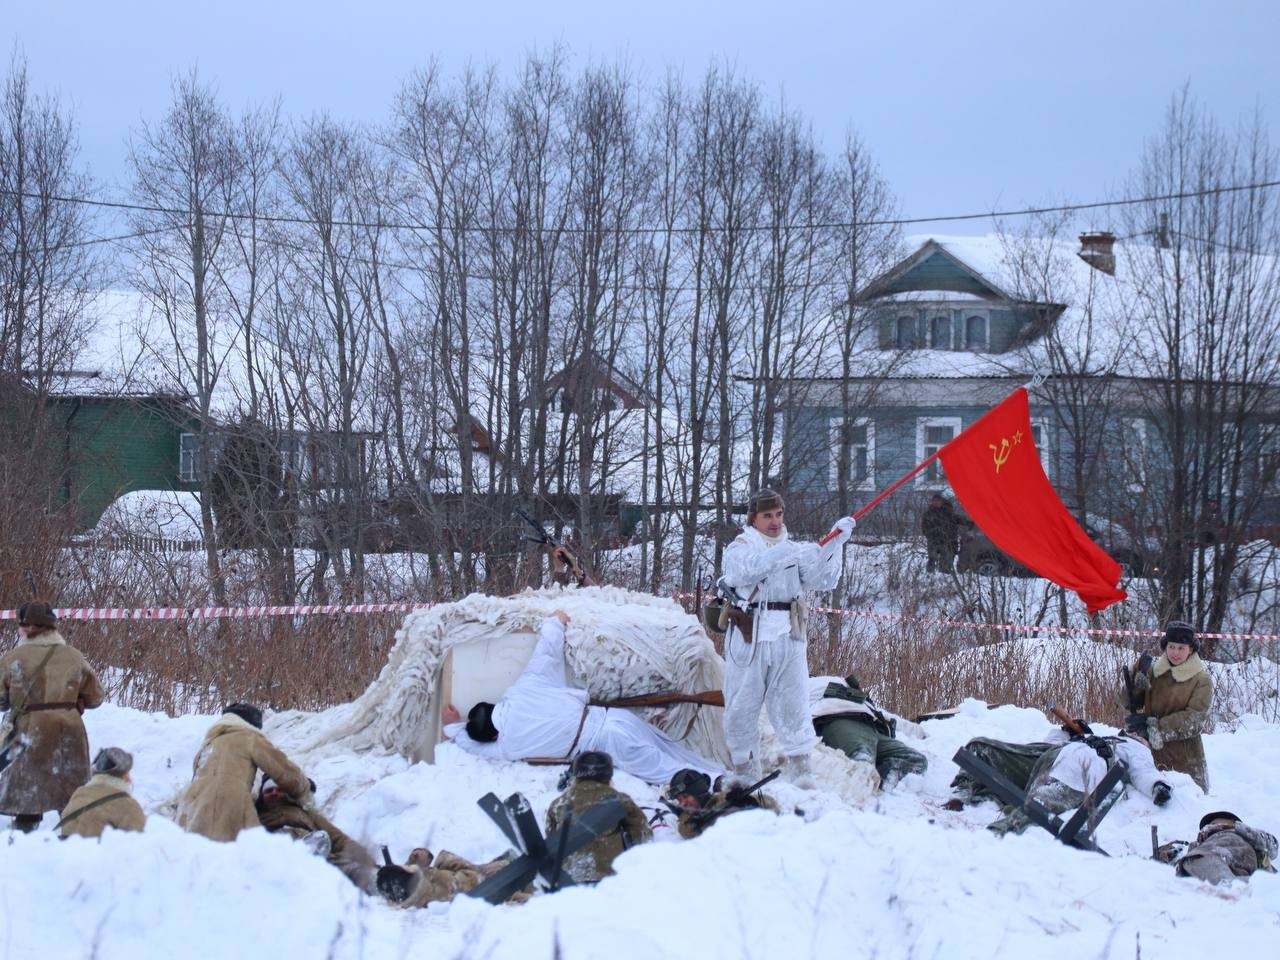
428 878
690 796
1227 849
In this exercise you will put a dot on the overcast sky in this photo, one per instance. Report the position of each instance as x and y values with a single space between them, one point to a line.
969 106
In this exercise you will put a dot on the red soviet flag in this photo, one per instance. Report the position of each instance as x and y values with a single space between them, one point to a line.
995 472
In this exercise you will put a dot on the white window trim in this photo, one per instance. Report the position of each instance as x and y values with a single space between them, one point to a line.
833 472
1269 447
187 466
986 332
1042 451
922 424
1137 427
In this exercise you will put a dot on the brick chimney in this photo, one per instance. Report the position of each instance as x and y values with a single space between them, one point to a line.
1096 250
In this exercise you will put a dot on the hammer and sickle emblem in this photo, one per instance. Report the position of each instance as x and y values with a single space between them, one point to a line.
1001 453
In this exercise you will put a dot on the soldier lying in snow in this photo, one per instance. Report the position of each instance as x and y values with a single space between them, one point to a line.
281 813
592 772
429 878
1227 849
1065 775
846 718
690 795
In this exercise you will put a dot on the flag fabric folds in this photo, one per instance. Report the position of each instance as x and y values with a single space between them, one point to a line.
995 471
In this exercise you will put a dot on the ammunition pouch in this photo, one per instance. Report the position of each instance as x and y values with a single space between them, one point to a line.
742 620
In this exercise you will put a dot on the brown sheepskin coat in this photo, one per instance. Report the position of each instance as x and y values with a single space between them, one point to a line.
55 762
120 812
1180 697
218 804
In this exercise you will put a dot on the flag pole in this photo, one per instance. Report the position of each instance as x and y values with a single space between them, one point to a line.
1037 379
880 497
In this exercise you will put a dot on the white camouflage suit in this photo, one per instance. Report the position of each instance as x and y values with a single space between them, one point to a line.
772 670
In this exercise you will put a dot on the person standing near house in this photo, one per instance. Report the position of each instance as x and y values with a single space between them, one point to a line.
941 528
1177 694
45 685
766 649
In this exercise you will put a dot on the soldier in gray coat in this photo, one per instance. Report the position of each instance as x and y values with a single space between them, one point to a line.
1227 849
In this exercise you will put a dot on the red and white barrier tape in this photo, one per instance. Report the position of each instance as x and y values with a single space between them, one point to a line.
213 613
1018 627
305 610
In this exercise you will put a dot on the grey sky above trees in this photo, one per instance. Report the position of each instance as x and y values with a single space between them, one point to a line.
966 107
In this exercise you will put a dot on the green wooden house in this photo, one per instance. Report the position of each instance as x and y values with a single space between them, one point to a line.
116 443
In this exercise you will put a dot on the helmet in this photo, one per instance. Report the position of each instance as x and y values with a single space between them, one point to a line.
593 765
693 782
480 723
1208 818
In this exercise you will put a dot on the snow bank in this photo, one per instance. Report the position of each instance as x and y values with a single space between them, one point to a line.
900 878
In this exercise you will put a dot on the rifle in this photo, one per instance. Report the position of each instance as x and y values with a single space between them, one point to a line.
734 800
563 562
1072 725
1134 696
710 698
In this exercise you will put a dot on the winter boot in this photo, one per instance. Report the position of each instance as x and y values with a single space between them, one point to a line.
745 773
797 770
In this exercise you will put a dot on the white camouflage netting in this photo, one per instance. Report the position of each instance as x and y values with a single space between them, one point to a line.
619 643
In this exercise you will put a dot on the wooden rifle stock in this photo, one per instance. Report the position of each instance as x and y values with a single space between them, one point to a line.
1072 725
710 698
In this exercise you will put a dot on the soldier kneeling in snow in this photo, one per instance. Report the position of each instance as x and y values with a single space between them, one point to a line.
218 803
690 794
281 813
1227 849
1065 776
846 718
437 878
592 771
106 800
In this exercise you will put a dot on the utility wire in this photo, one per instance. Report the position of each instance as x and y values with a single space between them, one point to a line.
748 228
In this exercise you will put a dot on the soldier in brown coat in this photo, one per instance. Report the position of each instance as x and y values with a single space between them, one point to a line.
45 685
106 800
218 803
1177 697
280 813
437 878
592 770
1226 849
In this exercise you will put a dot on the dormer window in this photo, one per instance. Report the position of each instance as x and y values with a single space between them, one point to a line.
905 331
975 333
940 333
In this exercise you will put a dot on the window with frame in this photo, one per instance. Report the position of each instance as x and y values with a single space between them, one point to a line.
932 434
905 333
188 456
862 453
1269 458
1135 455
975 333
940 333
1040 436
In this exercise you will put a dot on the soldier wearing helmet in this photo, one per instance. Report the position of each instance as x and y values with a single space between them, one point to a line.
592 772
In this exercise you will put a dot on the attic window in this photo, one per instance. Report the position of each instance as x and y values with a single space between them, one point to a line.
940 333
975 333
906 333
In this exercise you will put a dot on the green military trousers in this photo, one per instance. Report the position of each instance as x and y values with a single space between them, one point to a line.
862 741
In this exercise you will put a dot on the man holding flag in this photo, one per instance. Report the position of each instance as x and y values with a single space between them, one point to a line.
766 659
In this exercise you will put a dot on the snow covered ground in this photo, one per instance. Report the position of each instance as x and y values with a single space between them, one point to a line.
901 878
